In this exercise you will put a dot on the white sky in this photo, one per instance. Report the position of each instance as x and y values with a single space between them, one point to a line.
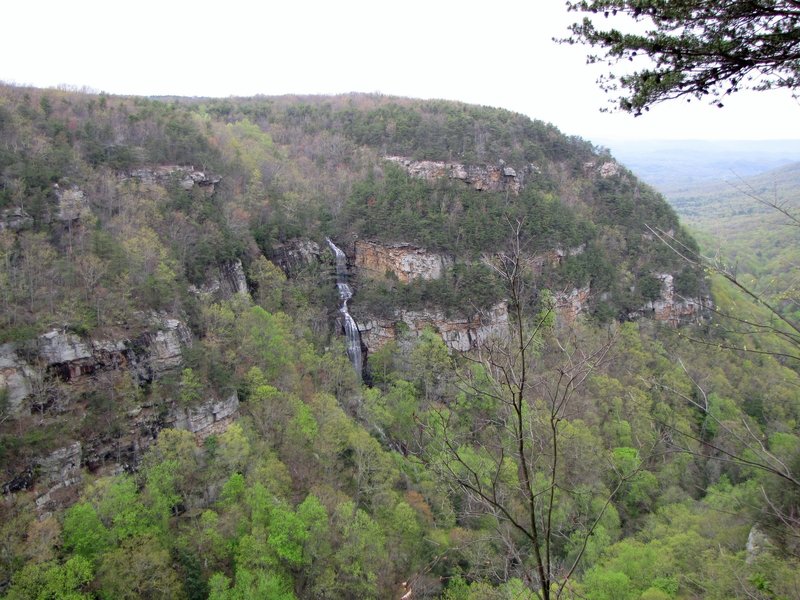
497 53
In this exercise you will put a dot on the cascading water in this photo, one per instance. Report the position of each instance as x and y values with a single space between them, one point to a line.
345 293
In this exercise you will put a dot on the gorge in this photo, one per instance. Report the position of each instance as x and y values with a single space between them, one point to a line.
182 408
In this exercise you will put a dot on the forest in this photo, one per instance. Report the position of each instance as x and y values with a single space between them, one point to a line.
179 418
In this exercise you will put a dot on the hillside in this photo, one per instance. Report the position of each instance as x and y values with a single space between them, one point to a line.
546 395
741 220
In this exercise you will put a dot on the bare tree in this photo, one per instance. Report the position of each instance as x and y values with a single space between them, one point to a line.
506 461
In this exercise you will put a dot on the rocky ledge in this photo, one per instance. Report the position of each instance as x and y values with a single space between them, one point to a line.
494 178
459 333
70 357
404 261
672 308
226 281
187 177
294 255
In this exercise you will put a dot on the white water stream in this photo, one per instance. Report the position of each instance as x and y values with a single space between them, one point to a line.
345 293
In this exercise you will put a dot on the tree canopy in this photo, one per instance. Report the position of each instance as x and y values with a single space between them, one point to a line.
691 48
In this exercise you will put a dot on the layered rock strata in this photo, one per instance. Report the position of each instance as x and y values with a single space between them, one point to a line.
186 176
403 261
459 333
495 178
672 308
295 255
70 357
227 281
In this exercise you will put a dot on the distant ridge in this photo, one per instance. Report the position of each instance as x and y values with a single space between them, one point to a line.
673 165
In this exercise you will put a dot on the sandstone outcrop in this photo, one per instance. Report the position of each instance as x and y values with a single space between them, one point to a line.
294 255
163 348
72 204
403 261
605 169
227 281
210 417
16 376
54 477
459 333
15 219
495 178
57 475
671 308
70 357
568 305
186 176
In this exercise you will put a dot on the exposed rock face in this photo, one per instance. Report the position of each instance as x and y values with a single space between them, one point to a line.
72 204
460 333
671 308
16 376
495 178
114 454
148 355
758 543
571 304
163 348
15 219
228 281
213 416
404 261
605 169
58 473
186 176
59 347
295 255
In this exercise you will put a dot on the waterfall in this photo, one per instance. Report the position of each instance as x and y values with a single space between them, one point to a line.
345 293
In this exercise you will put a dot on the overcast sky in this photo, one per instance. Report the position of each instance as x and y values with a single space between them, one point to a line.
496 53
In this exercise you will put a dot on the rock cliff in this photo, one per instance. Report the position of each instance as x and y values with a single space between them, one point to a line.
57 475
79 363
54 477
569 305
227 281
186 176
294 255
15 219
403 261
72 204
671 308
70 357
461 334
495 178
208 418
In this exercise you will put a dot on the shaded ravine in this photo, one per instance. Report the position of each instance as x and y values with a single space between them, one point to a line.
345 293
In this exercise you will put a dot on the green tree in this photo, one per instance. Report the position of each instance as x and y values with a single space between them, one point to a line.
139 568
84 532
270 282
52 581
191 387
692 48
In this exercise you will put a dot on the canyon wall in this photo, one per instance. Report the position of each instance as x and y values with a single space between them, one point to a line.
459 333
403 261
495 178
